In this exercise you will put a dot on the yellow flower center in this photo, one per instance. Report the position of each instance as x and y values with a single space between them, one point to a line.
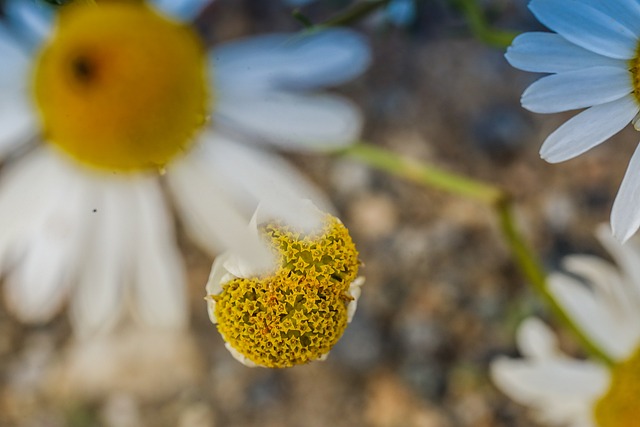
620 406
120 87
297 314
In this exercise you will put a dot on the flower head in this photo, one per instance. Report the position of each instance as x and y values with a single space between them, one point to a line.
124 101
593 58
566 391
296 310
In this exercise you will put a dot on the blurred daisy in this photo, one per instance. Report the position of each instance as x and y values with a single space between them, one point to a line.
296 310
565 391
125 103
594 61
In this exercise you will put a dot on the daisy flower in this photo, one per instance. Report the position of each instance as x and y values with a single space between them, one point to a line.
565 391
112 112
593 58
295 311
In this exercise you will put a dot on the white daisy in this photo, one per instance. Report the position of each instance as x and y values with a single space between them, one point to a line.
594 62
294 311
565 391
125 102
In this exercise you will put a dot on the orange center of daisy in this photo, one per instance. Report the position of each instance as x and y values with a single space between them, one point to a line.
619 406
119 87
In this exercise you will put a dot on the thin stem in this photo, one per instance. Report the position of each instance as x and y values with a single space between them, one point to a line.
302 18
422 174
533 271
353 14
498 199
479 26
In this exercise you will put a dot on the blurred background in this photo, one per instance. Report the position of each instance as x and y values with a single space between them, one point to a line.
442 296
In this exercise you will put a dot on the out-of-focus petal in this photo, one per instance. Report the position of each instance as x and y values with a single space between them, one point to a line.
292 121
252 175
97 304
210 218
49 253
597 319
289 61
560 390
182 10
159 278
31 19
536 340
17 122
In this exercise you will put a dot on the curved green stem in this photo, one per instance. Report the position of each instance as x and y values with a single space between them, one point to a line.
498 199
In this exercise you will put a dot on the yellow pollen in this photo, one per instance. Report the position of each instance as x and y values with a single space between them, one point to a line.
297 314
620 406
634 69
119 87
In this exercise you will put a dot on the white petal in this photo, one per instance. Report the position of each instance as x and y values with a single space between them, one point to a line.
17 122
241 357
586 27
51 248
25 191
292 121
98 303
609 287
627 12
160 283
626 256
209 216
588 129
625 215
551 53
577 89
252 175
597 319
14 59
218 276
354 291
289 61
33 20
536 340
182 10
561 390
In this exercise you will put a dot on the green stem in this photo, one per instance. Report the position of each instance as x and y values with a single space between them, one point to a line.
533 271
480 27
422 174
353 14
356 13
498 199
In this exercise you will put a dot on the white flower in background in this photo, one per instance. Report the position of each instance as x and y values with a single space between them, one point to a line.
565 391
106 106
295 310
594 62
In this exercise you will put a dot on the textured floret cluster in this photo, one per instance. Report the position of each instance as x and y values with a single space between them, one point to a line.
296 314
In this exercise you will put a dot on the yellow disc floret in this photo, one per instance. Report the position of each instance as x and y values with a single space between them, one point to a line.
299 312
620 407
119 86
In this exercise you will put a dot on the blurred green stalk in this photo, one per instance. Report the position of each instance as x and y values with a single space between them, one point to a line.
481 29
496 198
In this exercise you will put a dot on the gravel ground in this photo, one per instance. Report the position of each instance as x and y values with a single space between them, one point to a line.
442 296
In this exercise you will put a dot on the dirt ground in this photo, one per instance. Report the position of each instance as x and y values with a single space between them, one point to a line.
442 297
